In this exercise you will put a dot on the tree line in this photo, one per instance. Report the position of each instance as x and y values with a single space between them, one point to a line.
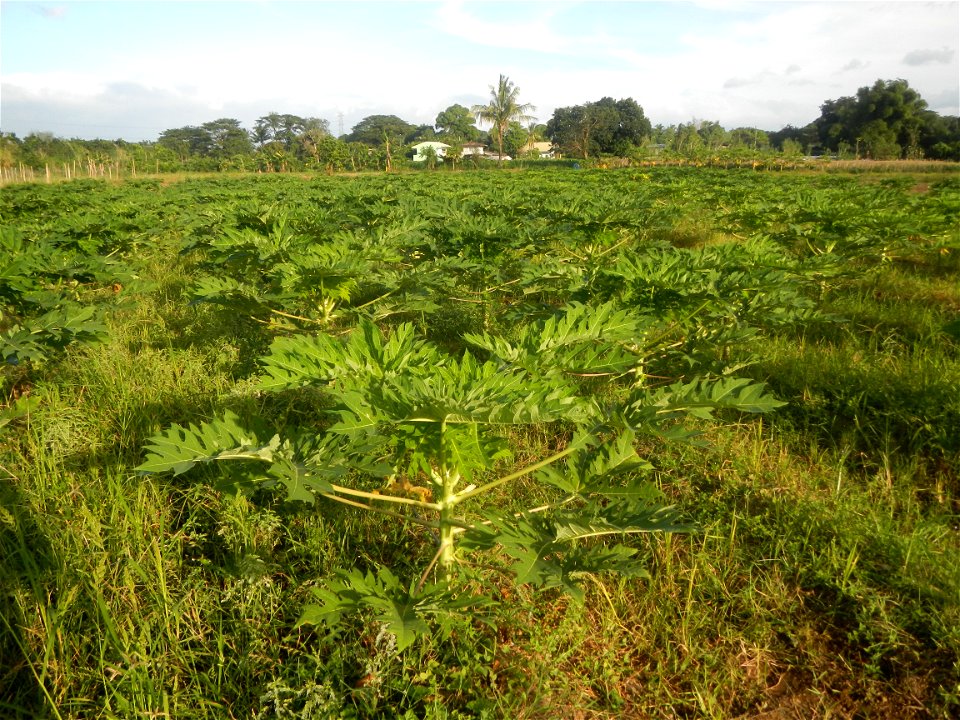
887 120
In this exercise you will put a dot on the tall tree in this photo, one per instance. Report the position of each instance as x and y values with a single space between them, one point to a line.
227 138
422 133
805 136
378 130
503 108
749 137
940 136
286 129
515 139
687 140
663 134
633 127
456 123
712 133
605 120
571 129
884 120
187 141
537 131
10 146
605 126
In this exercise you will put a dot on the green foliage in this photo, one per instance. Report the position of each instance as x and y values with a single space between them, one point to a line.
579 391
179 449
581 340
365 356
456 123
701 399
503 108
33 340
605 127
402 609
883 121
378 130
545 554
406 411
48 295
404 428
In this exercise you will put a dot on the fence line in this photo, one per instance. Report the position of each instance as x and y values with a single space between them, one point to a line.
67 171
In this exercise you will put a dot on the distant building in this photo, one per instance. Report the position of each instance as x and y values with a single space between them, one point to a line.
438 147
544 148
473 148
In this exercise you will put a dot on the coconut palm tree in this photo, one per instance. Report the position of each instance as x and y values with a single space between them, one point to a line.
503 108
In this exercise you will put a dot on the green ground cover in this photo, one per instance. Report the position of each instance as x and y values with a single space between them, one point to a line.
713 416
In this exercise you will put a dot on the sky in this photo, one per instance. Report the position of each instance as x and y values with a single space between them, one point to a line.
130 69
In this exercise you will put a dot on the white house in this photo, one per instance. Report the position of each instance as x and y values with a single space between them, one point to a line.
473 148
438 147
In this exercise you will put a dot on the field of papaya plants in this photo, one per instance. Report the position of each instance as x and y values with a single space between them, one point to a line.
671 443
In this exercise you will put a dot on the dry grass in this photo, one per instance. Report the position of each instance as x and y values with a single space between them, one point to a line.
910 166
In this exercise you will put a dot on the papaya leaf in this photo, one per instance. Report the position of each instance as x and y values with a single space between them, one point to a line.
469 450
300 360
37 339
580 340
405 610
469 391
541 559
357 415
626 518
364 356
180 448
609 469
228 292
700 398
21 407
299 482
18 346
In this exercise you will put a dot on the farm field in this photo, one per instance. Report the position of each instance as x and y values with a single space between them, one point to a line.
672 442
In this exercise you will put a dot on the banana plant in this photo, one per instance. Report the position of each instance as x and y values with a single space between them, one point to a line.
421 436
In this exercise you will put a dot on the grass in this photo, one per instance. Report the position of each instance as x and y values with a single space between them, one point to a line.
890 166
823 579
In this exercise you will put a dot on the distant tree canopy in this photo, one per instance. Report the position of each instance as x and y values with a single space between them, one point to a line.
286 129
886 120
750 138
805 137
456 123
421 133
606 126
515 139
378 130
219 139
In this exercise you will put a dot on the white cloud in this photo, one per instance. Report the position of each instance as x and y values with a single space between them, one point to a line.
855 64
534 33
52 12
64 84
926 57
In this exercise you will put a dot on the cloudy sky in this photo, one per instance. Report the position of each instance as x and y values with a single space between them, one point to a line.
132 69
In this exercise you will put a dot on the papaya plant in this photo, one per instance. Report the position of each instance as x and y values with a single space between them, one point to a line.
421 436
290 280
49 296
